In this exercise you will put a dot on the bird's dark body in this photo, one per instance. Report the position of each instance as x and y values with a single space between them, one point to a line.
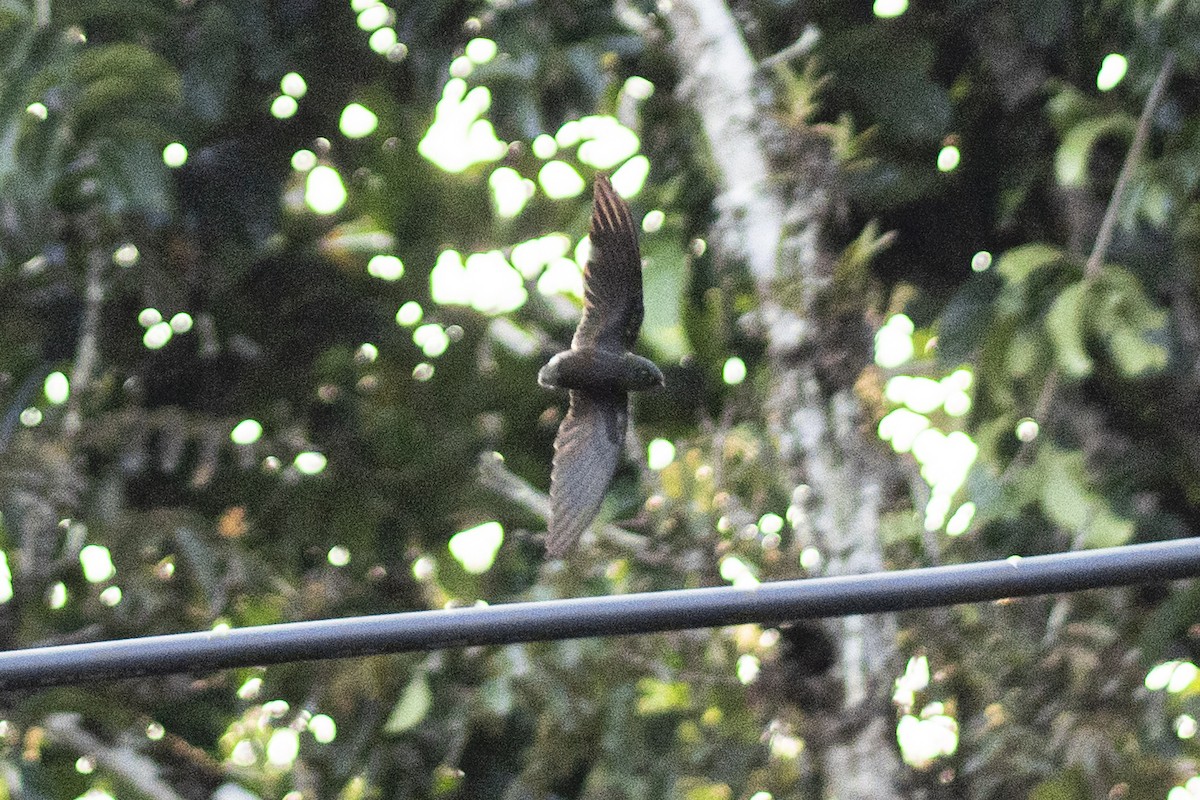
600 371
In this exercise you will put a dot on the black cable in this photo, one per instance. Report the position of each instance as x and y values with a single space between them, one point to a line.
768 603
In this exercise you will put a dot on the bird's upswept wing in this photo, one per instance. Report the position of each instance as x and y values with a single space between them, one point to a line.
612 279
586 453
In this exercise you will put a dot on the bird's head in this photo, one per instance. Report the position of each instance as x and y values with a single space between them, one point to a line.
641 374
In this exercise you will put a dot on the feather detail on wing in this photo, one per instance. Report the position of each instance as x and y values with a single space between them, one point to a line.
586 453
612 279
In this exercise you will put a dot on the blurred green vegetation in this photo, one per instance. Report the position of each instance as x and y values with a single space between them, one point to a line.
364 465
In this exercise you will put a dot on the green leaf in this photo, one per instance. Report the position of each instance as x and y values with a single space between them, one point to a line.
123 81
412 707
1125 296
1131 324
1157 204
1133 354
1065 324
1017 264
694 788
656 697
1106 529
1071 159
1068 785
1068 105
1066 499
664 283
1026 352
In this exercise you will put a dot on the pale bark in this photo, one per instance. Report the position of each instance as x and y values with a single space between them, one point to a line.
833 462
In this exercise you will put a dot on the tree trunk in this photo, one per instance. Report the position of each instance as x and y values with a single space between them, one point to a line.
832 460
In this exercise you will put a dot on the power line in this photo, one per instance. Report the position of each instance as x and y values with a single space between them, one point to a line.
768 603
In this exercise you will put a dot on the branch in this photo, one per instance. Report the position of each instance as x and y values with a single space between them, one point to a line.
1095 262
1108 223
493 475
132 767
87 350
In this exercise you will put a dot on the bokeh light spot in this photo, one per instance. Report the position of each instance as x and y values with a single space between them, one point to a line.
562 276
283 747
126 255
893 342
659 454
248 431
357 121
510 192
374 16
889 9
559 180
748 667
324 192
1112 71
385 267
323 728
157 335
770 523
461 67
734 371
486 282
284 106
304 160
476 548
174 155
638 87
57 388
530 257
630 177
481 51
432 339
961 521
6 588
948 158
181 322
544 146
409 314
293 85
458 138
737 572
605 141
97 563
383 40
310 462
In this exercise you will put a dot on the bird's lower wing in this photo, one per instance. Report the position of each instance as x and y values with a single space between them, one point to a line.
586 453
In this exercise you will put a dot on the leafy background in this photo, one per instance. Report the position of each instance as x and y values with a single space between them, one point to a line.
190 240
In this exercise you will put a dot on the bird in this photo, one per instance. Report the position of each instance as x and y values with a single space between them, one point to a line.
599 370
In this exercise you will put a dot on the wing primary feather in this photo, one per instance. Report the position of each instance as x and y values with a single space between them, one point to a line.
586 453
612 278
